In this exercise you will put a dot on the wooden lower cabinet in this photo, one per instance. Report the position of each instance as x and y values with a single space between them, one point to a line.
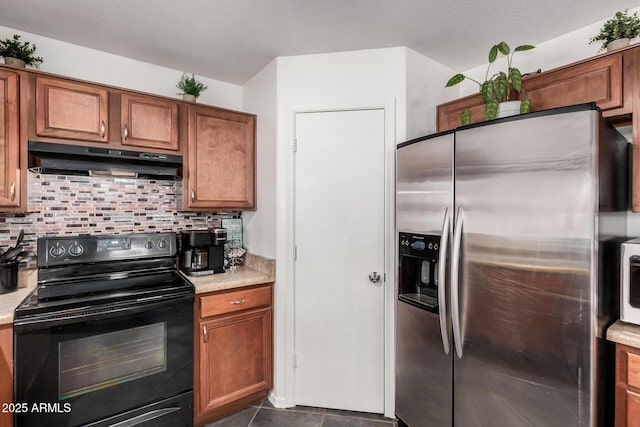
627 386
6 373
234 351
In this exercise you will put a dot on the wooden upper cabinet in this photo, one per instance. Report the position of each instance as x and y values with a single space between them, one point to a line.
594 80
149 122
9 140
71 110
598 80
221 159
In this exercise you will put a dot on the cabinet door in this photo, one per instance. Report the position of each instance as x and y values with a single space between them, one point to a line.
149 122
598 80
633 409
71 110
221 159
9 140
235 358
6 372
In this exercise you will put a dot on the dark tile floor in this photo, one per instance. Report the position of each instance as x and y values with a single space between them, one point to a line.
264 414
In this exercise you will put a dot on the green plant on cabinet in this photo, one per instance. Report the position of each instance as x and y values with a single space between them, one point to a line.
620 26
498 87
25 51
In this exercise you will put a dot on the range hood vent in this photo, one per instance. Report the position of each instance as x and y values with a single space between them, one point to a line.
63 159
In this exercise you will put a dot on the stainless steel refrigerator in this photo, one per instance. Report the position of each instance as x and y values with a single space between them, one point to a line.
508 233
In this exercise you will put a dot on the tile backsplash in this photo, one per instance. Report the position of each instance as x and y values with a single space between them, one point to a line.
80 205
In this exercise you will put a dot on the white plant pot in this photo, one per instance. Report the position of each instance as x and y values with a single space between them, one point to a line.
508 108
14 62
190 98
617 44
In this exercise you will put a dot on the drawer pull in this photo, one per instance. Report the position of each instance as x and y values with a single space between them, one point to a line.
238 302
204 332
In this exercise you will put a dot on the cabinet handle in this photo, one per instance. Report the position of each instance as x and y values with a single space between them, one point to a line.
125 132
103 129
12 191
193 196
204 331
238 302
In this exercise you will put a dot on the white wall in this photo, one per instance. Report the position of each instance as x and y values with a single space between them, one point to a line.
260 98
425 90
96 66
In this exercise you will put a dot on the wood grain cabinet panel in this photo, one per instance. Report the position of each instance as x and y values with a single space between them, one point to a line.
6 373
633 409
234 353
229 302
221 159
149 122
71 110
627 386
9 140
598 80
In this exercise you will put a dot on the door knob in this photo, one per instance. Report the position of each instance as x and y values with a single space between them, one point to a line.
374 277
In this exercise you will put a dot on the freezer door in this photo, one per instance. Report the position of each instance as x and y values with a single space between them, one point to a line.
527 196
424 374
424 183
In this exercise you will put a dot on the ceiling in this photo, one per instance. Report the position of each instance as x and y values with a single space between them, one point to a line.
231 40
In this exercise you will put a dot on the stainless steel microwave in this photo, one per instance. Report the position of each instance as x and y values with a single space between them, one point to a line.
630 286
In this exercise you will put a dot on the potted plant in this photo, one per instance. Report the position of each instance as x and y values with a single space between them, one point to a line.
617 31
19 53
190 88
498 88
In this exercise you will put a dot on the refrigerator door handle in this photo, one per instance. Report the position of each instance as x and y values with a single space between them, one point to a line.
455 300
442 279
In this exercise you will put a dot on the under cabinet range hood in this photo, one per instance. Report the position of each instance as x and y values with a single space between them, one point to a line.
63 159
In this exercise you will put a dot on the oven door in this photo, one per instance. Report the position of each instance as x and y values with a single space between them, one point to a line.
87 366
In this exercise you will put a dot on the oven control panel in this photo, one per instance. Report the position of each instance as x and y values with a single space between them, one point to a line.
55 251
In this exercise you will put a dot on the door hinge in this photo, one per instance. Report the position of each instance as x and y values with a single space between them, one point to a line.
295 253
295 360
295 145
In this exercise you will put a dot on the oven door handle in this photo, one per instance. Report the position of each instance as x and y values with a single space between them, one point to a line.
98 312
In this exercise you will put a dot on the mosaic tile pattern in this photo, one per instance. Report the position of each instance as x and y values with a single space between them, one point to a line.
82 205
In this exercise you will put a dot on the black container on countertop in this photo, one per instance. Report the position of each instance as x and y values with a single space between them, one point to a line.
8 277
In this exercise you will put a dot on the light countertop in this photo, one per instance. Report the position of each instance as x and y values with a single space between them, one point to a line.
257 270
624 333
27 280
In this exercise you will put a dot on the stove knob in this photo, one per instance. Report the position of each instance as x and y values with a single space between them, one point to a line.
148 244
76 249
162 244
57 251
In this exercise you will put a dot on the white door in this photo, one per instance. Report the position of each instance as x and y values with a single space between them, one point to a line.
339 237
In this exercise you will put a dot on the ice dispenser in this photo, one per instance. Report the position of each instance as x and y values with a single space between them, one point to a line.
418 274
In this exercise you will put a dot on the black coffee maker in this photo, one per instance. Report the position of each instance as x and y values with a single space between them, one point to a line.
202 251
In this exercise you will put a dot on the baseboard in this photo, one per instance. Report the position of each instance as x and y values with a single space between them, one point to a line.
278 402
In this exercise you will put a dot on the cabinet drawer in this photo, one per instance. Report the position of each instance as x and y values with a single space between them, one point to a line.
633 370
229 302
